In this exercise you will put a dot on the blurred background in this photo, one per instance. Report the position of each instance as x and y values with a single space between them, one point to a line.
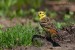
60 10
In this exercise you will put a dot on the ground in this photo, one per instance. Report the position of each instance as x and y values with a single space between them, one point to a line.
47 47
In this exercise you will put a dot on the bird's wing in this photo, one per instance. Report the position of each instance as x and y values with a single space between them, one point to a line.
47 22
48 25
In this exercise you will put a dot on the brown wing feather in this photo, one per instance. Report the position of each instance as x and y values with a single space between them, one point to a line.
47 24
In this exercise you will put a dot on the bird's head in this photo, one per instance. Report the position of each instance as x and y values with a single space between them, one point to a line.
41 14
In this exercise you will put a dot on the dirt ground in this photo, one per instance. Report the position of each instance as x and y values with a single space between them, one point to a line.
9 23
67 44
46 47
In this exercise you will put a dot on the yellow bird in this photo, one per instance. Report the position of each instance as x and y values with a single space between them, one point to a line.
47 24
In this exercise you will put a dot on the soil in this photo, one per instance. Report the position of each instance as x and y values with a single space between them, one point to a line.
67 34
46 47
9 23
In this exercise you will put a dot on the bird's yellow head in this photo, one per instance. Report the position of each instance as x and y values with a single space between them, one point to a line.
41 14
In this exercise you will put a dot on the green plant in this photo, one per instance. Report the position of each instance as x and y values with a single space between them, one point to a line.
67 17
5 6
14 8
16 36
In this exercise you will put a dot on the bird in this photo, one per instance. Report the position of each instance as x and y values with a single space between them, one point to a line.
47 24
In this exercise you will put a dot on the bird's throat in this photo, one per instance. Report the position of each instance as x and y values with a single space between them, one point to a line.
42 17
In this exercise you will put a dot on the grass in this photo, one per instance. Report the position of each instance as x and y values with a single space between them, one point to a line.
17 36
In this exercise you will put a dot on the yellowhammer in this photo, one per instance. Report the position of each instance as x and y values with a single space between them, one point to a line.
48 26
